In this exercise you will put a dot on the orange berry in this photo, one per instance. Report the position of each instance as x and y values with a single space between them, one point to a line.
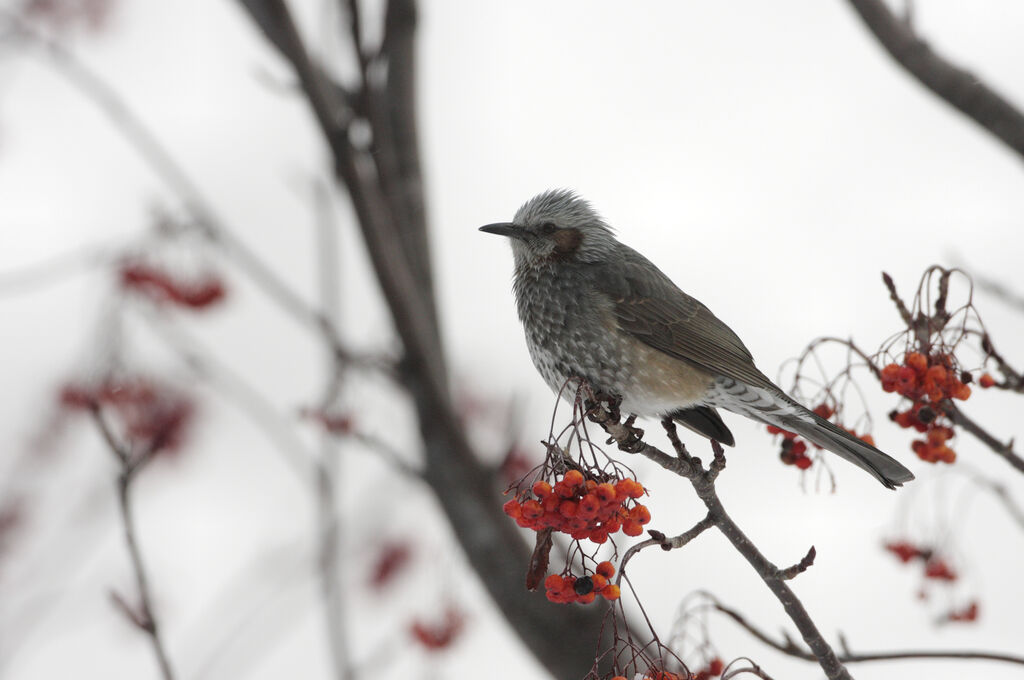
513 509
640 514
631 528
889 374
599 581
606 569
591 485
605 492
917 361
623 488
532 509
554 582
568 508
937 374
906 380
611 592
986 381
588 598
573 478
589 505
961 392
541 489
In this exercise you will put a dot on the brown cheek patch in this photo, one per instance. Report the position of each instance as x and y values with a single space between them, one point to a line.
567 241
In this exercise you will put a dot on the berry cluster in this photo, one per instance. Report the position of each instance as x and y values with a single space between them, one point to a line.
391 559
582 589
966 615
712 670
440 634
935 568
926 381
153 416
582 508
161 286
794 449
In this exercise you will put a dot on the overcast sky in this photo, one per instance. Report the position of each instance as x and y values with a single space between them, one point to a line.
769 157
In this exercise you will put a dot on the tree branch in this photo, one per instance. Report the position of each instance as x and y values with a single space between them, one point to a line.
959 88
789 648
144 619
464 487
703 482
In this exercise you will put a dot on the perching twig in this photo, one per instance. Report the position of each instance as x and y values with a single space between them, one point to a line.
703 482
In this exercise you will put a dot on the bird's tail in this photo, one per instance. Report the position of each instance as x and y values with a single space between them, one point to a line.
771 405
827 435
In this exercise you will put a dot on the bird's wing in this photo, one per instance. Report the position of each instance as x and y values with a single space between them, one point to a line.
650 307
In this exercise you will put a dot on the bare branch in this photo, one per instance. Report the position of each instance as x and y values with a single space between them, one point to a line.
330 527
800 567
464 486
959 88
789 648
703 482
144 618
1004 450
664 542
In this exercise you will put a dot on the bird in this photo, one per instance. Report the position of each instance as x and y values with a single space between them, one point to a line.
593 308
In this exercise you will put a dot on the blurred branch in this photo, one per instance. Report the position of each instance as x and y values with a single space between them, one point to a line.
236 390
131 463
330 525
131 126
57 268
1000 291
790 648
1001 493
604 411
465 489
959 88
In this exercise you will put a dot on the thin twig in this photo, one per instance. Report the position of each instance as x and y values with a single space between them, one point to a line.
664 542
1003 450
788 647
144 619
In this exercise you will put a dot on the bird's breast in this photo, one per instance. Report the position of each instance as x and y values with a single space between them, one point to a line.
571 331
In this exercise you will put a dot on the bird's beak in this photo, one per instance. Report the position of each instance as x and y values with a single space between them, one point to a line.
503 229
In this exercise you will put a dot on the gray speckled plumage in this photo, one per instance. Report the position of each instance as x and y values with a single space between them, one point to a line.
595 308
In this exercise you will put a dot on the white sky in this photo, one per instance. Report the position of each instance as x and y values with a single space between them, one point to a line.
768 156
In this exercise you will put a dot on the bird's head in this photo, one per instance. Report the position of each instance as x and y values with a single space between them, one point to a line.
556 226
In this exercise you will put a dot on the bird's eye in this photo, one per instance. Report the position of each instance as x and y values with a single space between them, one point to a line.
547 228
